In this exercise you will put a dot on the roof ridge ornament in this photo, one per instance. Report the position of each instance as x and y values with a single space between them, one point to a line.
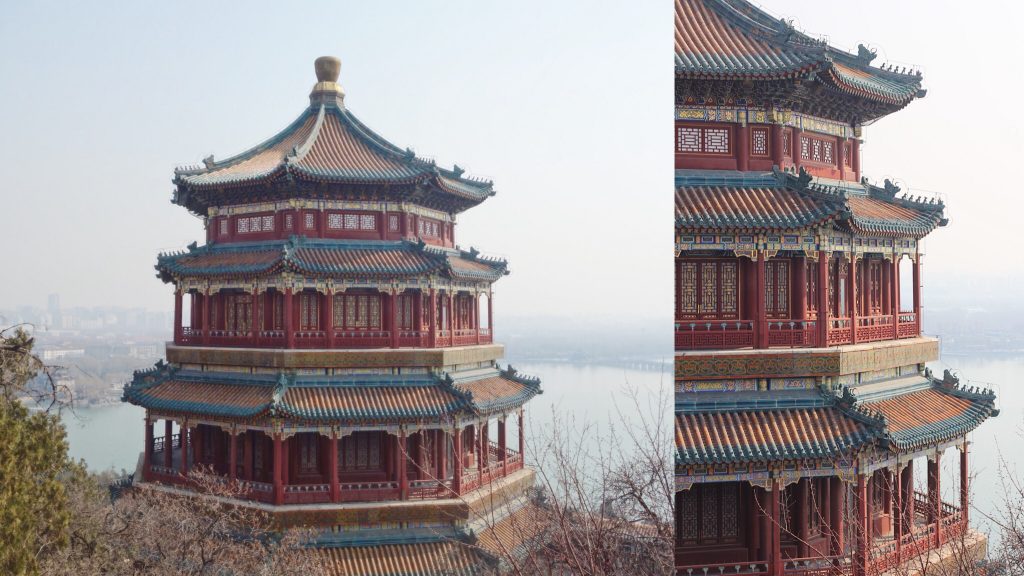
865 54
327 90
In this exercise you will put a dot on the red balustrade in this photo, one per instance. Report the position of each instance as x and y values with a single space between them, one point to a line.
875 328
717 334
792 333
908 326
310 339
307 493
362 339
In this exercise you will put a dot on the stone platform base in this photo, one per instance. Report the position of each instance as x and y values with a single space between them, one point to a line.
950 560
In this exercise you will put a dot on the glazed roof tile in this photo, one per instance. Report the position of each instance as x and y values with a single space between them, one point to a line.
734 39
441 558
767 435
328 257
326 398
327 143
924 417
783 201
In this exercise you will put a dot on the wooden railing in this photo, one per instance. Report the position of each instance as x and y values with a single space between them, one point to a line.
908 325
368 491
362 339
840 331
307 339
714 334
792 333
875 328
310 339
728 568
307 493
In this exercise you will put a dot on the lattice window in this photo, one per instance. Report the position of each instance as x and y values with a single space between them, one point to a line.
805 148
289 221
759 142
729 511
708 287
334 221
710 509
404 308
688 139
247 224
243 225
222 227
829 151
367 222
787 143
309 452
848 154
777 288
688 501
360 451
729 281
393 222
309 220
688 288
309 311
812 286
362 312
257 455
716 140
816 150
238 312
278 304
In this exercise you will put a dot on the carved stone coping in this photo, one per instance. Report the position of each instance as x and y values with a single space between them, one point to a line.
370 358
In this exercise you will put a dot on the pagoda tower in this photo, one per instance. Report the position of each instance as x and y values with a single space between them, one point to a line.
333 349
803 403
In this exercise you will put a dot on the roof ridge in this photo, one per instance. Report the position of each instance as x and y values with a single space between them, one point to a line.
299 152
210 164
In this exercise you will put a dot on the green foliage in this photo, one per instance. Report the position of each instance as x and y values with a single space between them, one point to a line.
34 513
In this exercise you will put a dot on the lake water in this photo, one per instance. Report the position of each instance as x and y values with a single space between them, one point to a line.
112 436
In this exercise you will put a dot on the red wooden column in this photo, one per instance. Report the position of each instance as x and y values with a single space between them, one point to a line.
853 295
860 557
908 496
855 142
233 455
457 460
837 528
328 323
799 290
964 484
289 321
148 458
765 529
841 157
433 318
761 321
441 443
743 147
935 495
177 315
917 293
451 318
501 446
476 315
898 525
777 137
824 507
183 431
168 445
403 465
522 439
278 469
255 316
205 322
803 519
795 141
753 521
332 464
393 318
775 557
247 455
490 314
824 306
894 289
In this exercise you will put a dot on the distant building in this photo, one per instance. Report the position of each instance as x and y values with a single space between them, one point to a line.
54 354
802 400
337 355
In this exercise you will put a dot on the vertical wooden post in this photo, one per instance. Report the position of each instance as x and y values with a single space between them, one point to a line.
894 298
860 559
177 315
501 446
278 470
433 318
451 318
476 315
184 433
457 461
837 529
743 147
778 140
917 293
753 521
168 444
855 142
964 484
289 320
403 465
908 496
761 320
233 455
522 439
442 454
255 317
802 519
393 320
206 322
148 457
775 558
935 496
797 135
824 507
247 449
765 530
490 314
328 324
824 306
897 514
332 464
853 295
841 156
799 290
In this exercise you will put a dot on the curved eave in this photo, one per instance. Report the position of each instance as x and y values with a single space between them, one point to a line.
740 227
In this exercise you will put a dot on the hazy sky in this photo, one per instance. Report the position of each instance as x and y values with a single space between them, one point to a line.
566 106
